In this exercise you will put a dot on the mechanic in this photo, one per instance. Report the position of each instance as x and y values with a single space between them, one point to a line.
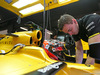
86 28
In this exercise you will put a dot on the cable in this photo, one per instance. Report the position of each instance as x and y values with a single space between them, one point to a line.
44 22
19 44
48 17
49 20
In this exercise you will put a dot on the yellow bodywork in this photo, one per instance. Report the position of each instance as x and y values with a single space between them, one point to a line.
31 58
22 61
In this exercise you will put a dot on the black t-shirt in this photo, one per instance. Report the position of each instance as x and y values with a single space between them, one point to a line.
88 26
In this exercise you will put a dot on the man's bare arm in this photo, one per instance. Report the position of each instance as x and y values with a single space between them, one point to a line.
79 52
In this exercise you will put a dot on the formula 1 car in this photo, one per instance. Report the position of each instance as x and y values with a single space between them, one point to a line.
20 54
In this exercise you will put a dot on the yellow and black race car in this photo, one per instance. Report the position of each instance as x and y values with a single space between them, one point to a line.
20 54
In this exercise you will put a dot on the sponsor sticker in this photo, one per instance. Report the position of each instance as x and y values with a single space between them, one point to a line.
49 67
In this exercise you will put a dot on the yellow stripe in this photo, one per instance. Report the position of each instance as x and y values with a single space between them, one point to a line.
65 46
94 35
